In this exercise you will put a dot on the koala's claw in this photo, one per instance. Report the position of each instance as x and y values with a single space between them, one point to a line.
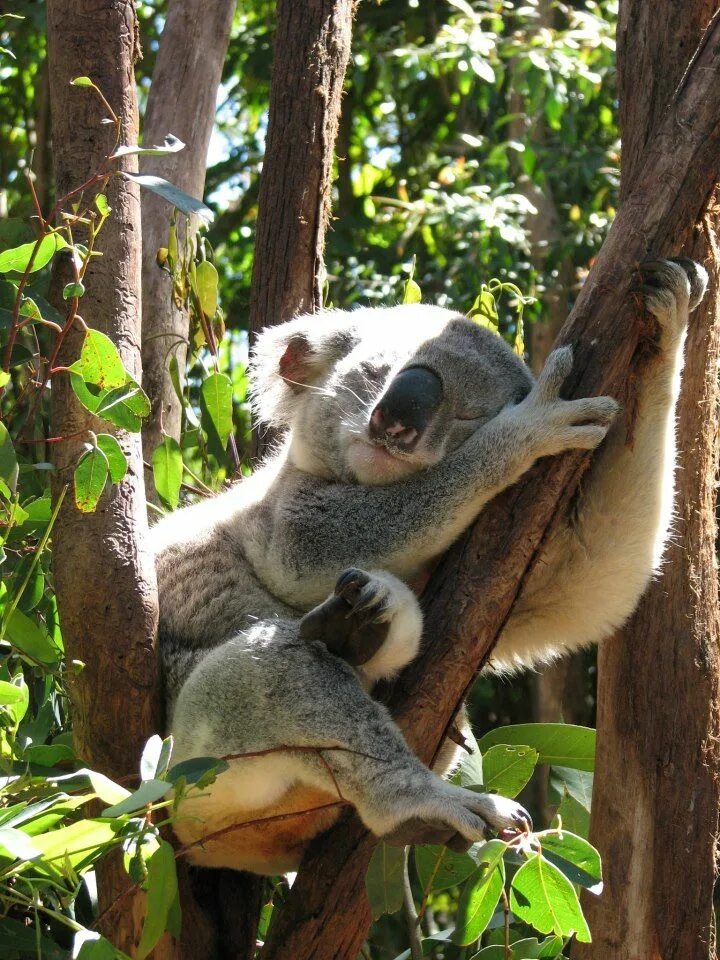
367 598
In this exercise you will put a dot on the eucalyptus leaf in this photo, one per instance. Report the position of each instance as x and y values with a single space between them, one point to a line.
167 464
17 260
556 743
384 880
90 477
543 897
174 195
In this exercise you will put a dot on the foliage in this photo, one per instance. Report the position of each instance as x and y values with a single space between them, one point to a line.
457 118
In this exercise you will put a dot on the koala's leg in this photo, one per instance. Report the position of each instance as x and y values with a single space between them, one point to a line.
371 620
595 569
269 690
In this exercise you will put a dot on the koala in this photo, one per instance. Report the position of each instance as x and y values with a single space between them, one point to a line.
286 598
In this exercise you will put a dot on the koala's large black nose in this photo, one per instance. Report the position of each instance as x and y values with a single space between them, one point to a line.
406 408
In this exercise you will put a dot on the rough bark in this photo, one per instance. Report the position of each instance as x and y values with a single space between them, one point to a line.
312 48
484 573
657 788
104 576
181 101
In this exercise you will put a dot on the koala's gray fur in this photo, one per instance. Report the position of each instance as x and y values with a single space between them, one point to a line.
245 672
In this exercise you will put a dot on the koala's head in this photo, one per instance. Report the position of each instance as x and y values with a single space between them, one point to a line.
373 395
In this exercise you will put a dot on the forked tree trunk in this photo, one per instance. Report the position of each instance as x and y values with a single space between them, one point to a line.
312 48
104 576
326 915
181 101
657 786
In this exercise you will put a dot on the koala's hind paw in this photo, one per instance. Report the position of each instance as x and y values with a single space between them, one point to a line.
672 287
473 815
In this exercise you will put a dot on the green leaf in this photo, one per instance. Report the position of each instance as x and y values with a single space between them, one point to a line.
508 769
149 791
206 286
82 82
81 842
480 895
117 463
178 198
578 860
578 783
125 406
541 896
19 940
91 946
471 765
4 378
167 464
556 743
99 362
170 144
8 460
384 880
162 891
439 868
155 757
104 208
24 634
106 789
574 816
17 845
196 770
71 290
18 259
216 393
412 292
91 474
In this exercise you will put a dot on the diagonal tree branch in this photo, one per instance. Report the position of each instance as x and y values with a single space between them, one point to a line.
471 595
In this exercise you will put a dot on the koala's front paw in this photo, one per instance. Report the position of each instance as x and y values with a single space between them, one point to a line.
369 617
672 288
556 425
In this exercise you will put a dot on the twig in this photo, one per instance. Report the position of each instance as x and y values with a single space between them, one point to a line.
412 920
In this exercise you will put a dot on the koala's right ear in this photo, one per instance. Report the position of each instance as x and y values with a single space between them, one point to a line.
292 357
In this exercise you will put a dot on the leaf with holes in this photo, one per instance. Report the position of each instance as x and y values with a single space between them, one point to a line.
508 768
556 743
99 362
91 474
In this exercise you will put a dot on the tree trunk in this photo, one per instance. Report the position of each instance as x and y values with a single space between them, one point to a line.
104 576
484 572
312 48
657 788
181 101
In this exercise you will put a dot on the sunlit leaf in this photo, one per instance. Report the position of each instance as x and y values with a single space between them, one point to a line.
170 144
480 894
507 768
117 461
178 198
8 460
541 896
216 393
99 362
162 891
556 743
167 464
206 283
18 259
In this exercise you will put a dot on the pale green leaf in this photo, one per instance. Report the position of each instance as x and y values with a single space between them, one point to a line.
18 259
544 898
556 743
162 891
216 393
507 768
167 464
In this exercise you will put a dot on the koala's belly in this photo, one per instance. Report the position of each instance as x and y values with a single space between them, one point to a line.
268 847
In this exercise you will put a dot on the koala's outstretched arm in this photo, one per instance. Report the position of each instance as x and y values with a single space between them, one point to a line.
594 570
322 528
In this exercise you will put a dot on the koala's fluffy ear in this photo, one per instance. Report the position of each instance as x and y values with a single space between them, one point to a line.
291 357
